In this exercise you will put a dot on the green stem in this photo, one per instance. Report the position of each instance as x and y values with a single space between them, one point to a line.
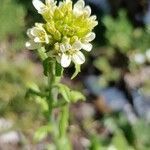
63 125
50 96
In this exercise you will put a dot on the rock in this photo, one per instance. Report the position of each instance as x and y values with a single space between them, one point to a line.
141 104
113 97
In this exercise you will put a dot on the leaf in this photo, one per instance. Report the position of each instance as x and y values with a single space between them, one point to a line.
77 70
70 95
96 144
33 86
65 92
75 96
42 132
47 65
42 102
119 141
58 69
42 53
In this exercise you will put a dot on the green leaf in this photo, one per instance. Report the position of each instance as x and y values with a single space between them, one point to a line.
47 65
33 90
32 86
58 69
77 70
42 132
42 53
119 141
96 144
65 92
75 96
68 94
42 102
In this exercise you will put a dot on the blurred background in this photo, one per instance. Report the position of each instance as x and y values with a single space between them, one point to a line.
115 80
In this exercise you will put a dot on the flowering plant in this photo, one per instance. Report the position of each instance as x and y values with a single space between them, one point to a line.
66 31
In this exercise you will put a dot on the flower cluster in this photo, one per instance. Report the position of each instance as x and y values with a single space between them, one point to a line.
66 31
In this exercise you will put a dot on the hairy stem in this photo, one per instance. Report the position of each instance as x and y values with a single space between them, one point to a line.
63 125
50 95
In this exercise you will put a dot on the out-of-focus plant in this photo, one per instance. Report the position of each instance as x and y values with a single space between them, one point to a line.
16 72
66 31
12 25
118 134
119 31
127 48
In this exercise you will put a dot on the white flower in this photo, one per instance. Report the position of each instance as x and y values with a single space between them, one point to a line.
71 53
85 41
80 9
41 7
67 29
37 36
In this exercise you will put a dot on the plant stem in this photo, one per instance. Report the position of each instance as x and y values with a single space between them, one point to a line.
64 121
58 134
50 96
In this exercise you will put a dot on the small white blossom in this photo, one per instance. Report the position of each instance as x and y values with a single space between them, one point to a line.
86 45
71 53
67 29
37 35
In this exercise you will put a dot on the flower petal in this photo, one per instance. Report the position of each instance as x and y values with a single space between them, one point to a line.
37 40
67 46
79 4
87 10
93 17
38 5
78 8
77 45
35 31
46 39
29 34
87 47
78 58
49 2
31 45
67 1
60 4
90 37
65 60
